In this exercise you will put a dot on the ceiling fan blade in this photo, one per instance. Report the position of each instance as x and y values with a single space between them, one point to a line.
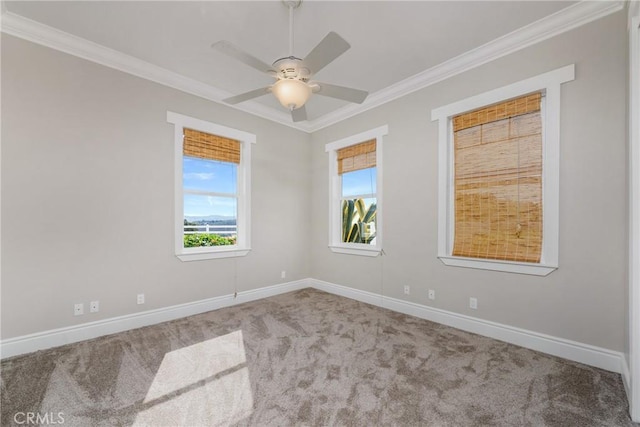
299 114
247 95
231 50
331 47
340 92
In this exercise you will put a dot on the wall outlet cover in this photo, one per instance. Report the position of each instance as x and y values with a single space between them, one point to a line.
78 309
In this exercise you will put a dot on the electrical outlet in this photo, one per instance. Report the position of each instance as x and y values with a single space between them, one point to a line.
432 294
283 274
94 306
473 303
140 299
407 289
78 309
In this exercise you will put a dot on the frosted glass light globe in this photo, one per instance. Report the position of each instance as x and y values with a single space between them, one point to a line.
291 93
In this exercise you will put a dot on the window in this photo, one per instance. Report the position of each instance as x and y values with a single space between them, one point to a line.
212 189
498 177
355 174
498 181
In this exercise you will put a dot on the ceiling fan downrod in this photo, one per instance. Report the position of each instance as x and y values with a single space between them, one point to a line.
291 4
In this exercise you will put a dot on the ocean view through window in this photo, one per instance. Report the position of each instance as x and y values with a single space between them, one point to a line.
212 189
210 202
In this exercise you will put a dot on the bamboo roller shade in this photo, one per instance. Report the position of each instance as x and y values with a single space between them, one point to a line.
498 182
212 147
514 107
356 157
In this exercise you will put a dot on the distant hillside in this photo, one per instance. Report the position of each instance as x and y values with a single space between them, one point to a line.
210 219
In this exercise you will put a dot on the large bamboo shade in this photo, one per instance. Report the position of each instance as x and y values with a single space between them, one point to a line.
212 147
498 181
356 157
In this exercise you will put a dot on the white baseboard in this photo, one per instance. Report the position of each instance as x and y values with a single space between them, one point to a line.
589 355
57 337
572 350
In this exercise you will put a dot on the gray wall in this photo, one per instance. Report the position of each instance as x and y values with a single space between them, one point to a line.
584 300
87 194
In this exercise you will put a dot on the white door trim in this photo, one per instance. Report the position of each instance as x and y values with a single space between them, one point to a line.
633 383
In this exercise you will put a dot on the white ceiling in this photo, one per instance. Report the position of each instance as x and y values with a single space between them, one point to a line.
390 40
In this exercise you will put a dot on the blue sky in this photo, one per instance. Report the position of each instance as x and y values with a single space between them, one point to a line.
212 176
359 182
221 177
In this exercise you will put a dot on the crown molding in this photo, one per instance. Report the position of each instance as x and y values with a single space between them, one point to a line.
562 21
36 32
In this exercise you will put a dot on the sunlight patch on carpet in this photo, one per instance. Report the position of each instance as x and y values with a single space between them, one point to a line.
204 384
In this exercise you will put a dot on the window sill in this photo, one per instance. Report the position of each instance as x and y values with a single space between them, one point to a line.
224 253
495 265
362 251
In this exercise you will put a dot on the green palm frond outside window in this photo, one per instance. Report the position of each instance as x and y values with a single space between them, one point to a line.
358 221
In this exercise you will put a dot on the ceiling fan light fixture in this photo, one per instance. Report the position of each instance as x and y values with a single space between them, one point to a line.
291 93
293 87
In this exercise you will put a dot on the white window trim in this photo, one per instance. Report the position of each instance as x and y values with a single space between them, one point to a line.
335 192
549 83
243 223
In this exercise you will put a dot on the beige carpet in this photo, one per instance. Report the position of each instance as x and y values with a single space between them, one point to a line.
306 358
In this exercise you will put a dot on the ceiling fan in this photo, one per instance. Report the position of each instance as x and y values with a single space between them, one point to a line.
293 86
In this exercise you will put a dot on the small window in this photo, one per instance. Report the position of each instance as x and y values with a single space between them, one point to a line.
356 197
498 199
212 171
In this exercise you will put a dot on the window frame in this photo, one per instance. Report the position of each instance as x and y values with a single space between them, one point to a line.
243 194
335 195
550 84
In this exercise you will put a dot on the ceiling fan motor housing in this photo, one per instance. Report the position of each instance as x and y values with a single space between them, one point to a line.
291 68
